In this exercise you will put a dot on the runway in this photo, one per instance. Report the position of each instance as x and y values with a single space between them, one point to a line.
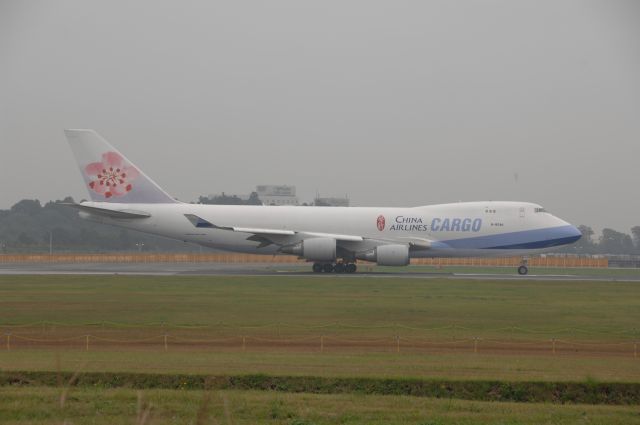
285 270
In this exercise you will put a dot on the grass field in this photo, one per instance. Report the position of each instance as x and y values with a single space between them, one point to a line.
121 406
369 307
281 307
458 366
526 314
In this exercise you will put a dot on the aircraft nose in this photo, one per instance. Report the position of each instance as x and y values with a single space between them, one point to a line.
573 233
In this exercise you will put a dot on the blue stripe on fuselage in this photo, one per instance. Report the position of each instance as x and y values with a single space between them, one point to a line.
526 239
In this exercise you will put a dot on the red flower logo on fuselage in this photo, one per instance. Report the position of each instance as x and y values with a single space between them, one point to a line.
380 222
112 176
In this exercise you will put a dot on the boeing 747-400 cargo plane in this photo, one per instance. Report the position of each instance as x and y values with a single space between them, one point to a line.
333 238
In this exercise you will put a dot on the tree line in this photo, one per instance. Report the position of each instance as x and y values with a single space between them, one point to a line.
29 226
608 242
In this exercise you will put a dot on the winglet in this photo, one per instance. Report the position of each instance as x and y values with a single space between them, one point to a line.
200 222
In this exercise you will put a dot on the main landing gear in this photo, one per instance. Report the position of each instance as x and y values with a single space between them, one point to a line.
334 268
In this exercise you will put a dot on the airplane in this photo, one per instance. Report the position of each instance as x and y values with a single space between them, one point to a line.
332 238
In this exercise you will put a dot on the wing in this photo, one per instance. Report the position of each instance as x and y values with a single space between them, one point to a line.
283 237
273 236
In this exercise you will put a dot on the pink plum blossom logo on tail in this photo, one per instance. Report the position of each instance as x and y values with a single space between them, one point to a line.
112 176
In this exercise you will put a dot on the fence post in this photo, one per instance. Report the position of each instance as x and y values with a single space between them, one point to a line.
635 349
165 343
244 343
9 341
553 345
321 343
475 344
87 343
397 343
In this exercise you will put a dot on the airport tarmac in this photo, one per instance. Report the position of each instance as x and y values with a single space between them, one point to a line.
266 269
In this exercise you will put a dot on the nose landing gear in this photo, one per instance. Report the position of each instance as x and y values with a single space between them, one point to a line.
523 269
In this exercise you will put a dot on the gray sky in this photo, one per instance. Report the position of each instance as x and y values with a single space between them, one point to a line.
397 103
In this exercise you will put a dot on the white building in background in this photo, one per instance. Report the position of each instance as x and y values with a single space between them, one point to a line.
331 202
271 194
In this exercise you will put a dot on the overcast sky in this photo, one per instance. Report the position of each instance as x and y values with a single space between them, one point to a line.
396 103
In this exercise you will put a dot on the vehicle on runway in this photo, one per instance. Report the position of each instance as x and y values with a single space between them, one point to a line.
333 238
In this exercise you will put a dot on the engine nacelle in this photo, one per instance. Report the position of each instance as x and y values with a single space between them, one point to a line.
387 255
314 249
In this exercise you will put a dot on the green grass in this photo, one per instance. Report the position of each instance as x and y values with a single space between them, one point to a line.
120 406
285 306
590 392
456 366
296 306
367 306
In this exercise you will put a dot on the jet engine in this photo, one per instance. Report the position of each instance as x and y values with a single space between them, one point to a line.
314 249
387 255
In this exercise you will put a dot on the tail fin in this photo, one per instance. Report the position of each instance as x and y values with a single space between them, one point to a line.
109 176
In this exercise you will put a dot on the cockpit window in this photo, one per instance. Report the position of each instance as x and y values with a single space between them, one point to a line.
540 210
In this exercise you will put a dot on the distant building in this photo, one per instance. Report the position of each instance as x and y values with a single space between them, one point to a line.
331 202
271 194
224 199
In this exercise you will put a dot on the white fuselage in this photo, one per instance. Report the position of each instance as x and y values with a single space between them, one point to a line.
459 229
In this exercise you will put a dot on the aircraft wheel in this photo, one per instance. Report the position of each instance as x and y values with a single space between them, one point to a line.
522 270
339 268
317 267
350 268
327 268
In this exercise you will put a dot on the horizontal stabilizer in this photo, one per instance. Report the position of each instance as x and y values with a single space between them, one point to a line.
105 212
